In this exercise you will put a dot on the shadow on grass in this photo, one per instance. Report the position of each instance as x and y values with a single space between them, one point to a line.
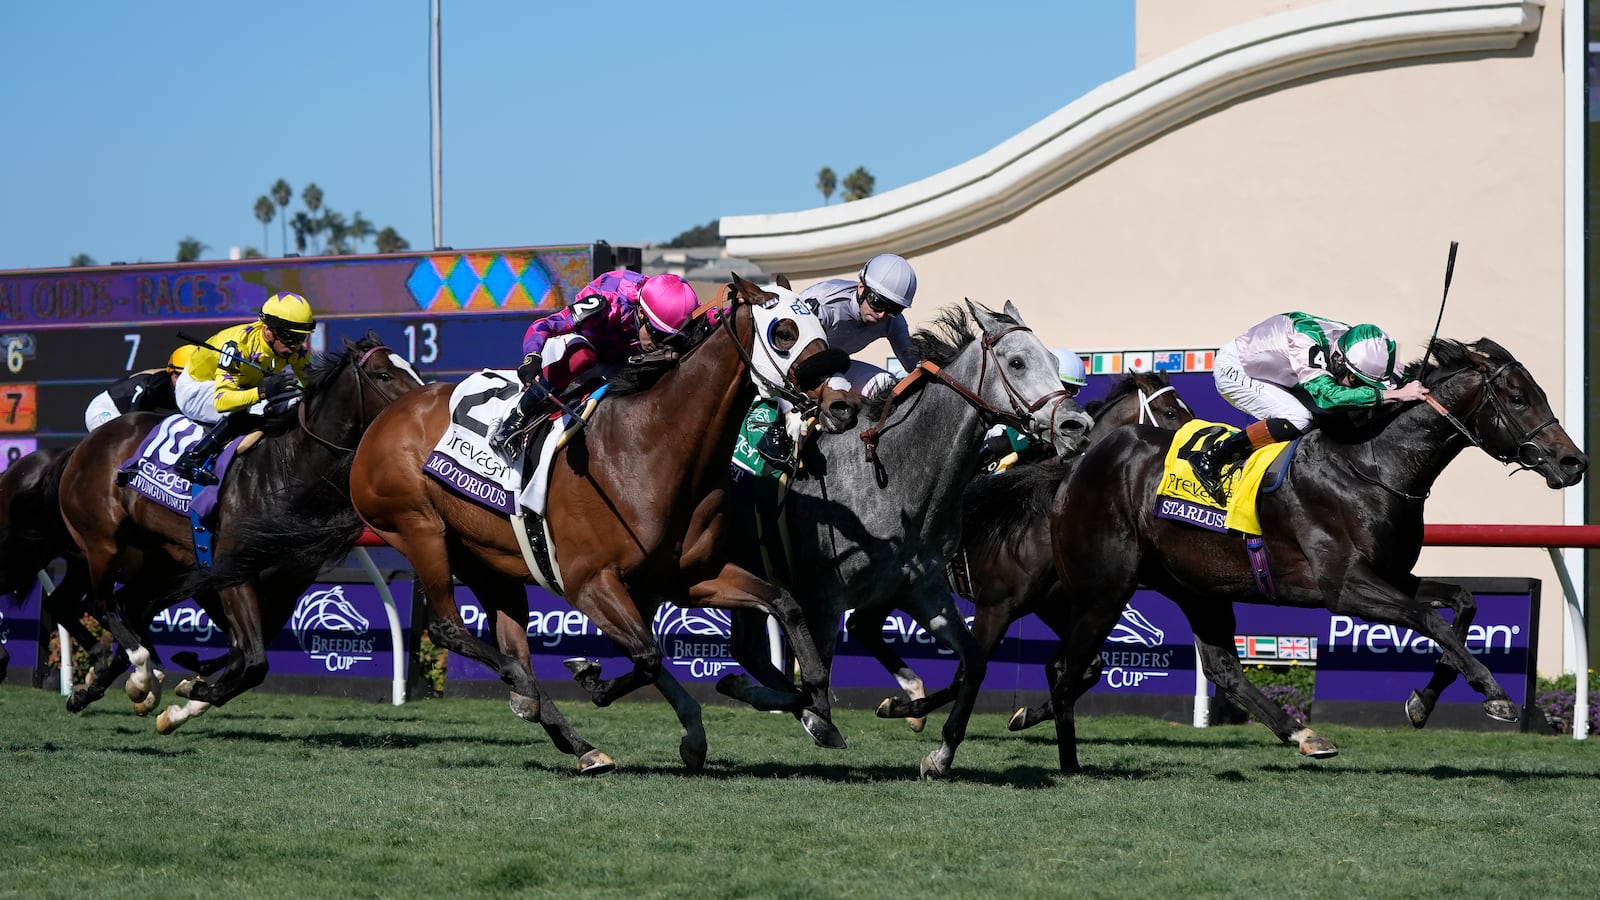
355 740
1436 772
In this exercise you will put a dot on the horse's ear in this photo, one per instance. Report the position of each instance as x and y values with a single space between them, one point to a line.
982 316
1014 313
782 280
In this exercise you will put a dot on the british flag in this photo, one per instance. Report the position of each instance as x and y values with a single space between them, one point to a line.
1294 648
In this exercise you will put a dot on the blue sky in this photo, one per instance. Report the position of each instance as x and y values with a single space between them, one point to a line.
133 125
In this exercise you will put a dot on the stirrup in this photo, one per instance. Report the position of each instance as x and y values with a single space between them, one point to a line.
777 447
196 473
505 437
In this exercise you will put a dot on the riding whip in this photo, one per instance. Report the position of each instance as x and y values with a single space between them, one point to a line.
1449 272
207 344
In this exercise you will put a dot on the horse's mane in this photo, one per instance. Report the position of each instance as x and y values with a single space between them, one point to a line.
1128 384
999 510
1448 356
324 369
940 341
642 372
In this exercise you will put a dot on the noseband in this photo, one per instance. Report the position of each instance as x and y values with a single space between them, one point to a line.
1145 410
1527 455
802 402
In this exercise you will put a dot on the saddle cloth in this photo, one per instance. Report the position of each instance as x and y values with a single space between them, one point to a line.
1182 499
149 470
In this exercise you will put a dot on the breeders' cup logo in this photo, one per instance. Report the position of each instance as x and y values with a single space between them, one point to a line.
325 611
696 639
1133 667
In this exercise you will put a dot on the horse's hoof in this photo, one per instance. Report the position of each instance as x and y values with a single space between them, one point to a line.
823 733
885 709
150 702
184 687
582 667
1314 745
1417 710
595 763
78 700
918 723
525 707
1018 720
693 754
164 723
733 685
1500 710
930 768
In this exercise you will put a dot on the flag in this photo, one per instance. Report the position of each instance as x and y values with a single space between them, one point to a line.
1107 364
1138 361
1199 360
1238 644
1262 647
1168 360
1294 648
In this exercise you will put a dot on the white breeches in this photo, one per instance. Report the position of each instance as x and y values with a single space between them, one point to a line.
1261 399
100 411
197 399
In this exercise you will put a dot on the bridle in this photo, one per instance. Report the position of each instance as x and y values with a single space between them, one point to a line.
363 380
1020 416
1527 455
1146 411
785 389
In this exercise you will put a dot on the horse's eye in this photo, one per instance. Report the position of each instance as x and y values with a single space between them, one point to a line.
1519 399
385 376
1017 364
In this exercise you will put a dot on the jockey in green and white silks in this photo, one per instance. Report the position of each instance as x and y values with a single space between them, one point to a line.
1336 366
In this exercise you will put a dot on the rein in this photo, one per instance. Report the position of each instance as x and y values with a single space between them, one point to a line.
781 389
361 403
1524 441
1021 411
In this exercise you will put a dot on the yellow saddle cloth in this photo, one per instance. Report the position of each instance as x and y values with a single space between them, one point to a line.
1181 497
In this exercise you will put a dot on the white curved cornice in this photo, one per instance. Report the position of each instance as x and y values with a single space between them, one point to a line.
1121 114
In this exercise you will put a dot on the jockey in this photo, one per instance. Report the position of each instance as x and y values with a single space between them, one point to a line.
148 391
856 313
1269 369
1004 446
604 324
260 360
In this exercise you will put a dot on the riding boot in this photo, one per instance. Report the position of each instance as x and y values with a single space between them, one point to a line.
1209 463
195 462
777 447
532 405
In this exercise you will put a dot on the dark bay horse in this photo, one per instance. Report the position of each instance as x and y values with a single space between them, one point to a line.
873 531
1005 529
32 536
635 513
150 549
1343 532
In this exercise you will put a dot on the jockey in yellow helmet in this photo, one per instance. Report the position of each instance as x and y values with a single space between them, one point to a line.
244 364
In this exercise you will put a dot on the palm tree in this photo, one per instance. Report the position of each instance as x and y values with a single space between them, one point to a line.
81 259
826 182
390 241
265 210
302 230
281 195
360 229
858 185
249 253
338 233
312 196
190 248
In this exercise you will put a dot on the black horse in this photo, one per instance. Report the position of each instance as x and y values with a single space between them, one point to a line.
1343 532
299 471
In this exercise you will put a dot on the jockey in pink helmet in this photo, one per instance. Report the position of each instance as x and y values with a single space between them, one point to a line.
603 325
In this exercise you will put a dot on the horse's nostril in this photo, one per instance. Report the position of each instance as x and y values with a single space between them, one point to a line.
1575 463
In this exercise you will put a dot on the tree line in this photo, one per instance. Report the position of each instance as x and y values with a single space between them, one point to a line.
318 229
858 185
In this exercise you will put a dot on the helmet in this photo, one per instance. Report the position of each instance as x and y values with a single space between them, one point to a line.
667 301
179 358
1070 367
891 278
1369 355
288 314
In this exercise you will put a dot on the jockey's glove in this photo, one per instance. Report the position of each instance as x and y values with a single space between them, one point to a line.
530 370
281 383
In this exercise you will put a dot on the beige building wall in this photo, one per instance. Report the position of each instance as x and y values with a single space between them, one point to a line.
1337 194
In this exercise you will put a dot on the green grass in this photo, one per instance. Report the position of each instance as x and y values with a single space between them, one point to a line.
287 796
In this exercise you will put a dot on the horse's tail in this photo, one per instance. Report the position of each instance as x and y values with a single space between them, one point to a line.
317 526
999 511
33 533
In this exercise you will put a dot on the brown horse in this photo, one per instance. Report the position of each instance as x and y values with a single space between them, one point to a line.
1005 555
150 549
635 514
1342 532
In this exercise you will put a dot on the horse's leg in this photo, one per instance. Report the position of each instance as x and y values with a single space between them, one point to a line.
1441 595
1214 626
776 690
1363 593
930 603
736 588
866 626
989 624
247 634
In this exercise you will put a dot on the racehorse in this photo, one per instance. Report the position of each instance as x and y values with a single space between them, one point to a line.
873 530
1005 527
634 513
32 536
293 473
1343 531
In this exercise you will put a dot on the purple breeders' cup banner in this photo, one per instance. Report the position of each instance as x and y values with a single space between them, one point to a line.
19 632
694 641
335 629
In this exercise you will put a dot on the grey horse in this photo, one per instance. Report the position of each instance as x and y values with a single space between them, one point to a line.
875 518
